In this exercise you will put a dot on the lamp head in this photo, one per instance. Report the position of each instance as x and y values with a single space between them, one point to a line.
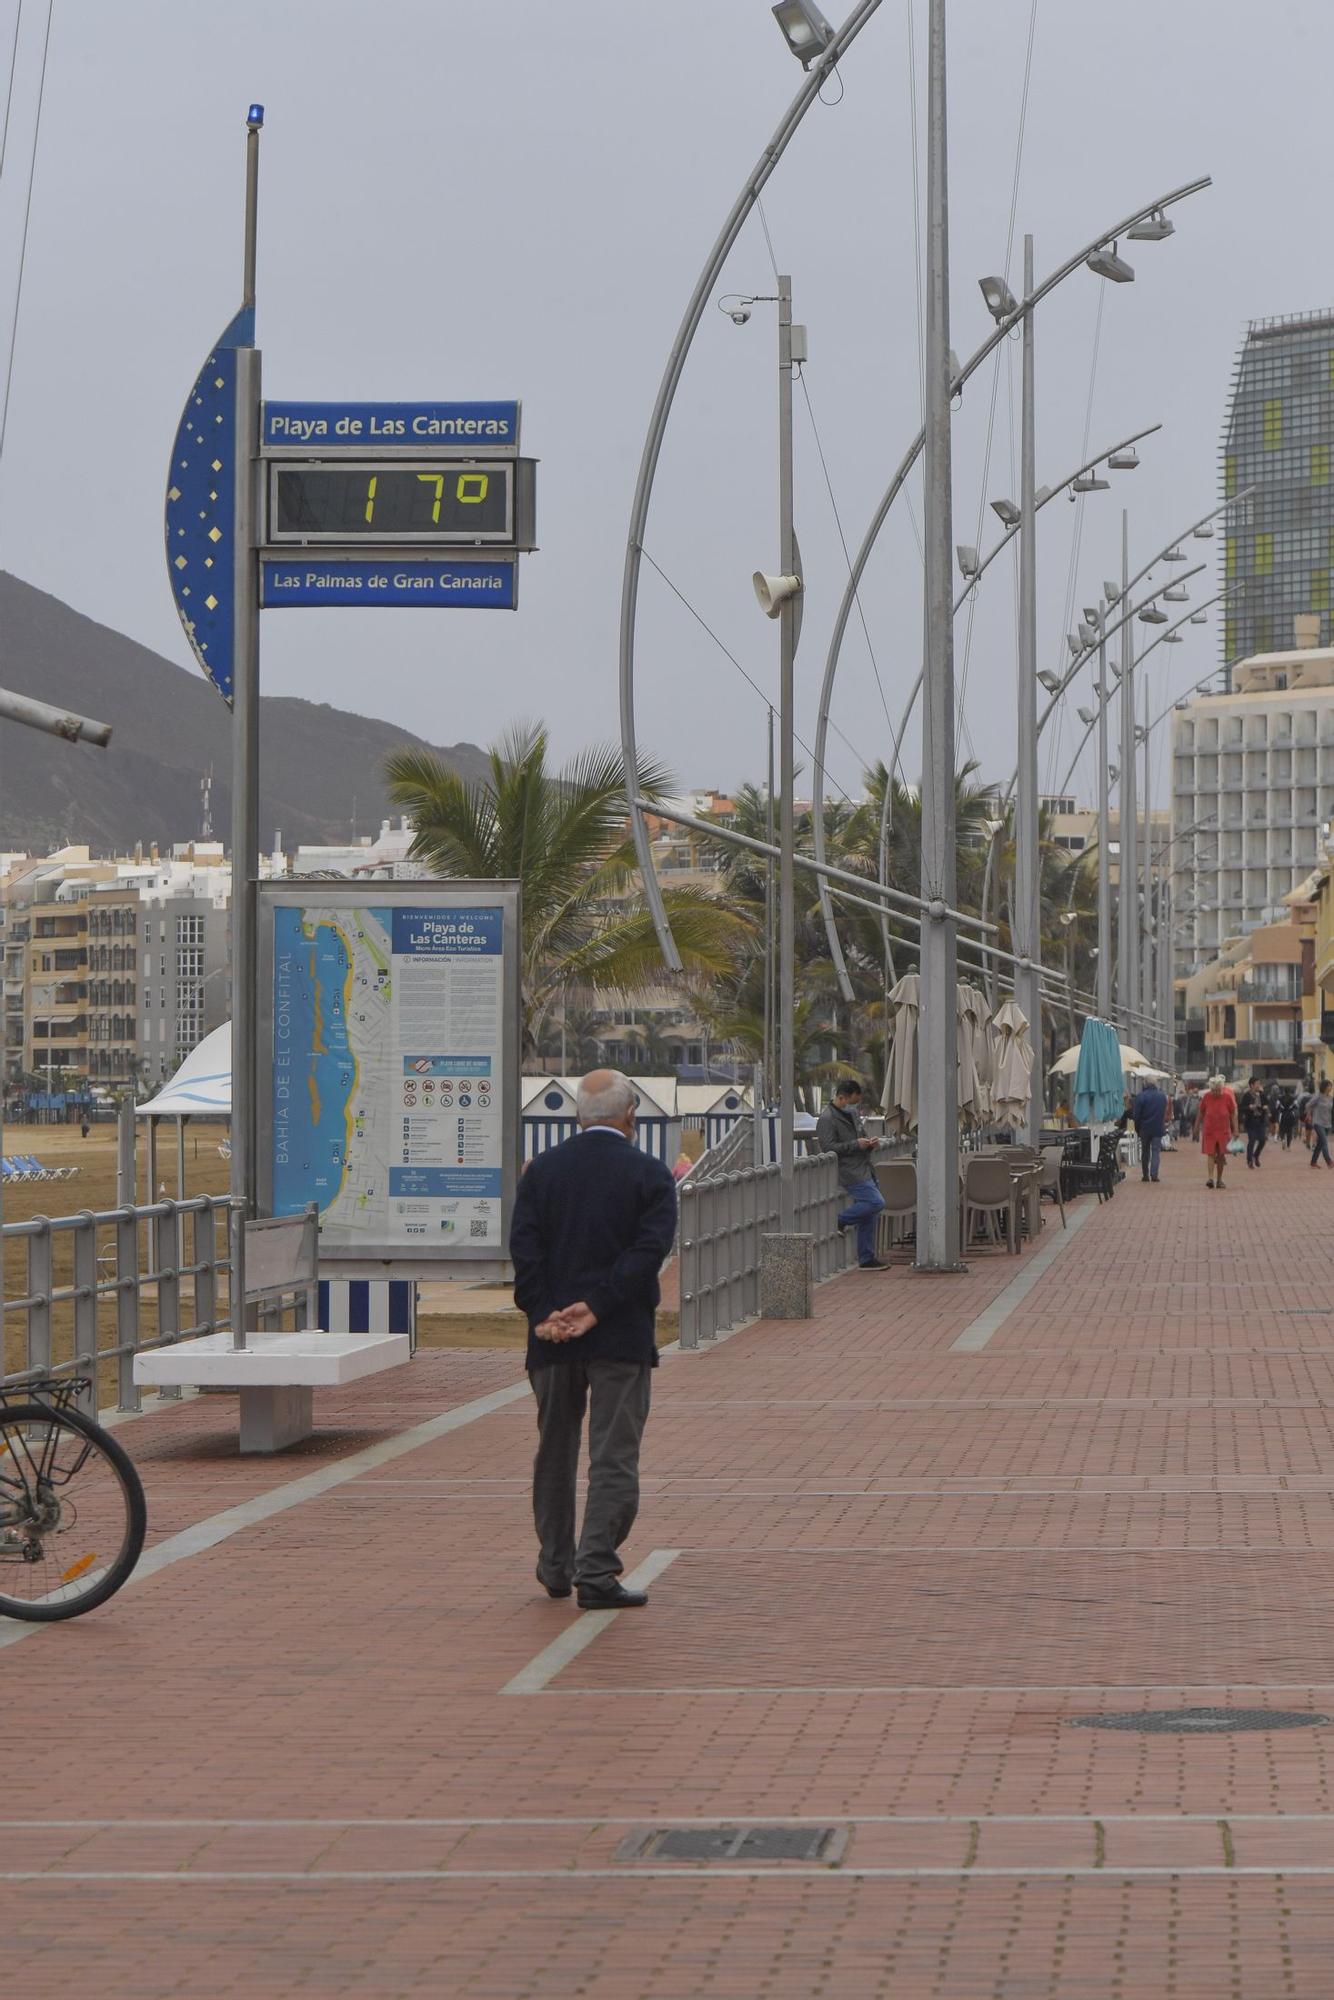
1007 512
1108 265
1124 460
1152 229
969 565
805 29
1052 682
1000 301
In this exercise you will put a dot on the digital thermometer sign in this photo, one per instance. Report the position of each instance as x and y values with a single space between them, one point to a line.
452 501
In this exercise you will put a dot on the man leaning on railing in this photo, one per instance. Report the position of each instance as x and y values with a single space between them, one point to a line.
839 1131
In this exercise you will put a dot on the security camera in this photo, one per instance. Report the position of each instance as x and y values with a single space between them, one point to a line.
738 314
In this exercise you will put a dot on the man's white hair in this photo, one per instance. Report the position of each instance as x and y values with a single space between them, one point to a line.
609 1102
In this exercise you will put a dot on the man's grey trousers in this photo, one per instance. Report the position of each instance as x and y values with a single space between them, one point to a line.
616 1395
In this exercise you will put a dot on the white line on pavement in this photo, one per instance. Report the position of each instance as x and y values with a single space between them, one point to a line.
217 1528
429 1824
979 1331
533 1678
782 1871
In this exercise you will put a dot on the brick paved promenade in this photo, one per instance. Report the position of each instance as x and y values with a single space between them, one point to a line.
335 1742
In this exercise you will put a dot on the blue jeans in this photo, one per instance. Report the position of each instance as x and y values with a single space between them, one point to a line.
1150 1153
865 1202
1320 1145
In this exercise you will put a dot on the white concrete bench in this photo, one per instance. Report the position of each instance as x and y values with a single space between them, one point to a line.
275 1374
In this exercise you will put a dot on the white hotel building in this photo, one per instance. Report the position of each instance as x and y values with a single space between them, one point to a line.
1252 789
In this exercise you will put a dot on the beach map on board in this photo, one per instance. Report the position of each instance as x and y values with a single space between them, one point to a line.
388 1048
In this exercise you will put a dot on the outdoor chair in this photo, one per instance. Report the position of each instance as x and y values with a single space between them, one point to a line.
1098 1176
1025 1162
897 1181
990 1190
1050 1182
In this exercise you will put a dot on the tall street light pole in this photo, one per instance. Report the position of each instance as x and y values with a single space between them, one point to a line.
1027 902
1146 898
787 648
937 1064
1127 981
1104 972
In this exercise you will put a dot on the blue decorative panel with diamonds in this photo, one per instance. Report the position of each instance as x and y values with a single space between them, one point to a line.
201 508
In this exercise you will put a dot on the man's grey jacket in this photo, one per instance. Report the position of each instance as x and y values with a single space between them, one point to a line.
838 1131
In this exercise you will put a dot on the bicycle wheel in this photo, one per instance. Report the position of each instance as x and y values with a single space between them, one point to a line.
72 1513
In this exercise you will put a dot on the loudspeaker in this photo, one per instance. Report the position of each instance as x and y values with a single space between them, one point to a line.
774 591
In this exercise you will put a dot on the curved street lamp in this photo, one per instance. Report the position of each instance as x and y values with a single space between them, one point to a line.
1006 322
818 68
1058 684
974 569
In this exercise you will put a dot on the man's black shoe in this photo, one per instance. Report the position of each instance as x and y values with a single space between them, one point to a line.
611 1597
873 1265
553 1589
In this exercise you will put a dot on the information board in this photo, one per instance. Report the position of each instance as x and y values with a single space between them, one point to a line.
389 1067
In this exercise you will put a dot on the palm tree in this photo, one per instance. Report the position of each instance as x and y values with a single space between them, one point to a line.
562 835
817 1044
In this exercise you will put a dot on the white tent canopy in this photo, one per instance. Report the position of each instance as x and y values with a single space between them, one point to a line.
1132 1064
202 1086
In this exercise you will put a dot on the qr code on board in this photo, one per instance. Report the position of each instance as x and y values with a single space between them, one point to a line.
479 1228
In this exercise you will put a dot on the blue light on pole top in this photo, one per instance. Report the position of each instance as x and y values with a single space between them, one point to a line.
255 116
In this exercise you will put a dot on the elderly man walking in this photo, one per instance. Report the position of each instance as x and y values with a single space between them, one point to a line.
593 1221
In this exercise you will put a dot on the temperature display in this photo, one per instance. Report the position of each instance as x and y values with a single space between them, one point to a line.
438 500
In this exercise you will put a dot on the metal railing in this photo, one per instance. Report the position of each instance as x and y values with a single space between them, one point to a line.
122 1272
104 1285
722 1221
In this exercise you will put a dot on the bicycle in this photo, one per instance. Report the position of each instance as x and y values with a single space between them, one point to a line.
72 1512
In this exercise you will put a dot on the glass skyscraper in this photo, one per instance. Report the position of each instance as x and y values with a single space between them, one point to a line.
1279 541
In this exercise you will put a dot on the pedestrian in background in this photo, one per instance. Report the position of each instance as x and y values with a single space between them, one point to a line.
1322 1116
593 1221
838 1130
1215 1125
1149 1111
1255 1119
1304 1096
1287 1120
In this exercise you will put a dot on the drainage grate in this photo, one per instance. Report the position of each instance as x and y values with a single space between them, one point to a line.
735 1843
1180 1721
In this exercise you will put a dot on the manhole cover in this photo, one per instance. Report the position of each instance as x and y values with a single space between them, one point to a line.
1179 1721
735 1843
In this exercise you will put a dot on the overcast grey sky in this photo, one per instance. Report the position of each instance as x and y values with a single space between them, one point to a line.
512 197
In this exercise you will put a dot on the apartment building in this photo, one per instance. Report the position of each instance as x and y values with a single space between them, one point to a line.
1252 786
184 940
1278 436
1250 1001
46 965
113 983
1074 828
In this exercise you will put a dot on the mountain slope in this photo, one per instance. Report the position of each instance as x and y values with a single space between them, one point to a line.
168 727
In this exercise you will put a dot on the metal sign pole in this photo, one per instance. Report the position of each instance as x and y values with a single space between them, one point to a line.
245 760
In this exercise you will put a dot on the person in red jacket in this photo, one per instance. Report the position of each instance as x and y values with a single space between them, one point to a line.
1215 1125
